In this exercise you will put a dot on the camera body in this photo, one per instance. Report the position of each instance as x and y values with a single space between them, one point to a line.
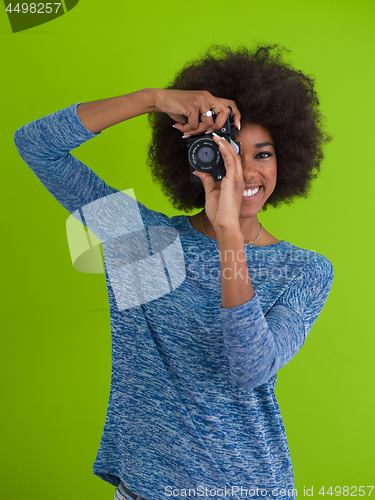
204 154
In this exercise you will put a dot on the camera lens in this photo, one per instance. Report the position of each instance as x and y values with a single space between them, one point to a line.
205 155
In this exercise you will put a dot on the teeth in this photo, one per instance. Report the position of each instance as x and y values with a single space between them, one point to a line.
251 192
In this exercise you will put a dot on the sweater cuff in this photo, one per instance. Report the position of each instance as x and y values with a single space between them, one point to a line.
233 315
78 128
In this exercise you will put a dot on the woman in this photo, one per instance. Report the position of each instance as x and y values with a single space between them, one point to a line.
204 309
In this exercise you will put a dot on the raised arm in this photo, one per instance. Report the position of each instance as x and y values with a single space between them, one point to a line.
45 144
99 115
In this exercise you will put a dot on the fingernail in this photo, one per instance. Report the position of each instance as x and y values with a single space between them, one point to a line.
194 172
218 136
186 136
174 126
239 126
208 131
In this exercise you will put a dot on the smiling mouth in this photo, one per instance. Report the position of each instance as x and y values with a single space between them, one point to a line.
249 193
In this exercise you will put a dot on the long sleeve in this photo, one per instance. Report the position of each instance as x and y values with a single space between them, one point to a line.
45 146
258 345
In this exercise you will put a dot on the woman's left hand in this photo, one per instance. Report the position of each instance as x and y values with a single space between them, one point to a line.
224 199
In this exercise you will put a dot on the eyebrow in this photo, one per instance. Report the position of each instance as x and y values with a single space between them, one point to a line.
263 144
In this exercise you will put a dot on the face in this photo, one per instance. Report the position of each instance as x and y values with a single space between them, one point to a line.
259 166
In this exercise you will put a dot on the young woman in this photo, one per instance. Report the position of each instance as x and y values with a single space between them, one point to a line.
204 309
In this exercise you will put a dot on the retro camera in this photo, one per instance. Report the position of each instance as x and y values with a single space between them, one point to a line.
204 154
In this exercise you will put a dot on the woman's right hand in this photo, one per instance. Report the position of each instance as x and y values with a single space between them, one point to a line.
193 104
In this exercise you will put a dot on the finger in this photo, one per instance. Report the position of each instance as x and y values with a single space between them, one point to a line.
221 117
194 128
207 181
193 121
198 124
198 107
188 131
232 161
208 121
223 111
220 141
236 112
178 118
179 126
205 120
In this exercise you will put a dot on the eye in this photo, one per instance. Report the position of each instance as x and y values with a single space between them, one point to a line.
264 154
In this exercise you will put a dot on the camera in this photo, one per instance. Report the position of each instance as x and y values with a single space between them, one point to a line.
204 154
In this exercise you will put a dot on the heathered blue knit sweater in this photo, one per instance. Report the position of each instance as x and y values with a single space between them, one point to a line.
192 409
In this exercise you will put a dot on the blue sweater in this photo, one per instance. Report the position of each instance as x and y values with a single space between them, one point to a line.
192 409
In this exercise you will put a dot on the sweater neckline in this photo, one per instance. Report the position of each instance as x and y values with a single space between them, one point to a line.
190 226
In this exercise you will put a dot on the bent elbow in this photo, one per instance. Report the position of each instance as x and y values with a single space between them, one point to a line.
251 379
20 141
17 138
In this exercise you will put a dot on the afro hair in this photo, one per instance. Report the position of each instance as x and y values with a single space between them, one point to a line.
267 91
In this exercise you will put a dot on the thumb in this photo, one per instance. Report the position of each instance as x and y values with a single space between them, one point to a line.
207 180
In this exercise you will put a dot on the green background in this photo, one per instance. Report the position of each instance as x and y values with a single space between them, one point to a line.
55 341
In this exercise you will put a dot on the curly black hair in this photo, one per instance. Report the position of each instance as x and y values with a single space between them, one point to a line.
267 91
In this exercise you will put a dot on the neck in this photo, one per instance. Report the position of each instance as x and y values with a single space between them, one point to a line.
249 226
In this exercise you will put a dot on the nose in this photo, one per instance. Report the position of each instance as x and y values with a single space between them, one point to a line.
249 169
